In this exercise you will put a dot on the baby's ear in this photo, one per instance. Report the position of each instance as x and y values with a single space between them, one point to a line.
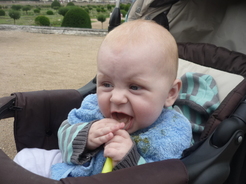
173 93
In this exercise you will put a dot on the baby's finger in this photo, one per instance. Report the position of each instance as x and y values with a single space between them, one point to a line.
110 152
108 129
115 152
122 133
94 142
102 131
105 138
117 127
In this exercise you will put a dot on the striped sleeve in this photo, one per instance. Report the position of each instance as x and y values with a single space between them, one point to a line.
67 134
198 99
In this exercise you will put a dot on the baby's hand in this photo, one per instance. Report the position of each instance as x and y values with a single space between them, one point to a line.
101 132
118 146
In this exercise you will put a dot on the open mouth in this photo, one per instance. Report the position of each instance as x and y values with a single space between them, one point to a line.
123 118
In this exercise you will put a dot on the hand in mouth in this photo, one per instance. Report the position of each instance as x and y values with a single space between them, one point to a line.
123 118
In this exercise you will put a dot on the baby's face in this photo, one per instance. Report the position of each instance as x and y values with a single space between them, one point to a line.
130 87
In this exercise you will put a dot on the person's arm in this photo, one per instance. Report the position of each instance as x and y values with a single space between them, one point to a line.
81 141
72 142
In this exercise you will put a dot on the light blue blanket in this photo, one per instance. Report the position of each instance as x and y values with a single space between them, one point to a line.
164 139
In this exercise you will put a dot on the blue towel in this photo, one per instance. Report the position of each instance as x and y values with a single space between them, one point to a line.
63 170
164 139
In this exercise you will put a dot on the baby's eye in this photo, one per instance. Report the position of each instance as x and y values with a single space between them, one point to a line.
134 87
107 85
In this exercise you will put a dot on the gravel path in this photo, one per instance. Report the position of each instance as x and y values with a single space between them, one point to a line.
32 61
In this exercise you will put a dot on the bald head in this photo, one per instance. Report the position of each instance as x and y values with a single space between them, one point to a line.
148 34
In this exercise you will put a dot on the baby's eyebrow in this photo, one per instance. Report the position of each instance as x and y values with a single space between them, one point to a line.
101 76
139 80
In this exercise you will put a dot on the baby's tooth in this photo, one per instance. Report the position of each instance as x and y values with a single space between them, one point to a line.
124 120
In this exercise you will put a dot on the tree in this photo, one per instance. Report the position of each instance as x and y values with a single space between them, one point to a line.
76 17
26 8
55 5
16 7
14 15
101 18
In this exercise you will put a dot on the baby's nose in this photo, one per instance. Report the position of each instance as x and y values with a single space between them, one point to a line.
118 97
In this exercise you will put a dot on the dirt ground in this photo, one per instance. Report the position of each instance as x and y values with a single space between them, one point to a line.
32 61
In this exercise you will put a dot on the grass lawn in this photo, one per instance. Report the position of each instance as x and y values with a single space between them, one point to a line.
28 19
55 20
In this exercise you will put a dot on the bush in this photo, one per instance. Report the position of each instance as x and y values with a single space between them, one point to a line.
38 7
109 7
4 7
76 17
49 12
42 20
98 10
55 5
89 7
127 7
2 13
63 10
36 11
70 4
87 10
123 12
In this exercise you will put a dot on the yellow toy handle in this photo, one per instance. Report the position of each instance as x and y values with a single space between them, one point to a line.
108 165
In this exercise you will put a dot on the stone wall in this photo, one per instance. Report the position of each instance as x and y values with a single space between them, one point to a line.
54 30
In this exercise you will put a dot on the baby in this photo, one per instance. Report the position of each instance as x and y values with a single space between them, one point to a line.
130 119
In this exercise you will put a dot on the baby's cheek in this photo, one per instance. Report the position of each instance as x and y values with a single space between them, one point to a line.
104 108
147 116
